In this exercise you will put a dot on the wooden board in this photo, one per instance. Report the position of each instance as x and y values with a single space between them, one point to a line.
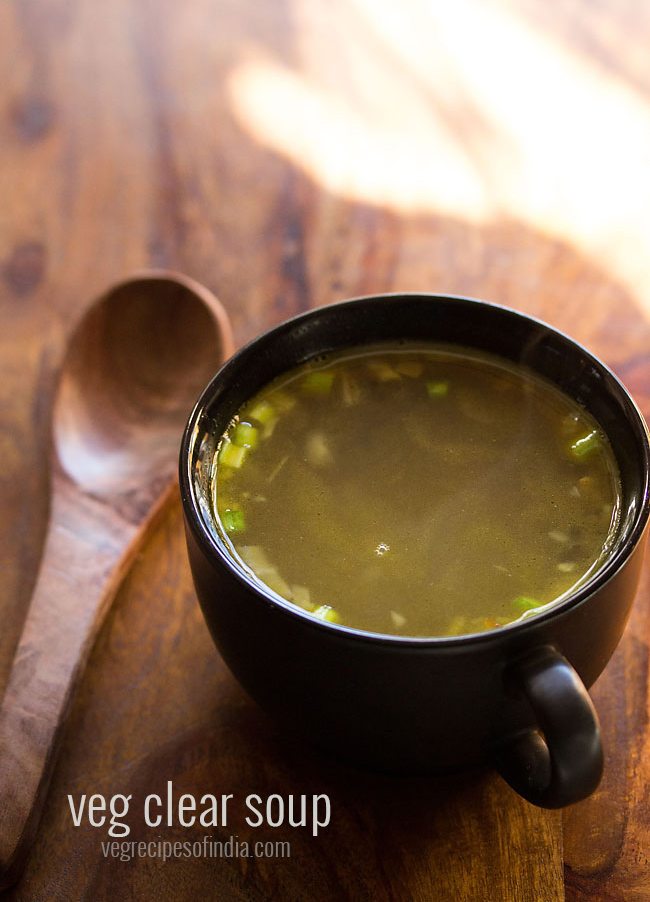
289 154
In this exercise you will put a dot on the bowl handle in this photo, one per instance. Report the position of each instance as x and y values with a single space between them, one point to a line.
561 762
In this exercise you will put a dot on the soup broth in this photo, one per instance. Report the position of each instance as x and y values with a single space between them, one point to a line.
416 490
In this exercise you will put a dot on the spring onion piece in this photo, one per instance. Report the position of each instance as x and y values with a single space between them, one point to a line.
437 389
231 455
586 486
318 382
302 596
585 445
382 372
566 566
257 559
351 390
412 368
317 450
263 412
526 603
277 468
223 504
326 612
274 581
245 435
269 428
233 520
558 536
255 556
283 401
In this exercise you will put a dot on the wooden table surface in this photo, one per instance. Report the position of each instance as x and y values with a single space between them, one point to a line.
289 153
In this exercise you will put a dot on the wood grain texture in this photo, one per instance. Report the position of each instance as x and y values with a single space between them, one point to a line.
133 366
130 138
132 730
82 561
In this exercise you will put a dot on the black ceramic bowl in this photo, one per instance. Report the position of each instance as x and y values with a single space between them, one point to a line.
514 697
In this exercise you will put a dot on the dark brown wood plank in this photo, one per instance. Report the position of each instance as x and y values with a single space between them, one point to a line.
122 147
171 711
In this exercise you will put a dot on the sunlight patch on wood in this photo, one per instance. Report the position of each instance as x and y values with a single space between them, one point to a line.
417 111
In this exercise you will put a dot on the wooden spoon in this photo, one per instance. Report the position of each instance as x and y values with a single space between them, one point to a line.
133 369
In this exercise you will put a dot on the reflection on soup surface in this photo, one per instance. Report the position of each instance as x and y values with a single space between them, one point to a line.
418 490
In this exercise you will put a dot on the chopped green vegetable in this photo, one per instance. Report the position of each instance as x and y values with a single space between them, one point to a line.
558 536
263 412
277 468
245 435
233 520
283 401
317 450
274 581
318 382
224 504
566 566
231 455
326 612
437 389
351 390
257 559
526 603
255 556
585 445
302 596
382 371
412 368
266 415
269 428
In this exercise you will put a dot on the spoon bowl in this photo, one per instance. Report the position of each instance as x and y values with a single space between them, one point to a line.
134 366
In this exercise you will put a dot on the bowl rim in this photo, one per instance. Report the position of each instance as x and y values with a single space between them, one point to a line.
213 548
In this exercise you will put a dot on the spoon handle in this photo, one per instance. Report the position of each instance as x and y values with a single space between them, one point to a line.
88 549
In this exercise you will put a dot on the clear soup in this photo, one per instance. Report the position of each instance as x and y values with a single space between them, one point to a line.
416 490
